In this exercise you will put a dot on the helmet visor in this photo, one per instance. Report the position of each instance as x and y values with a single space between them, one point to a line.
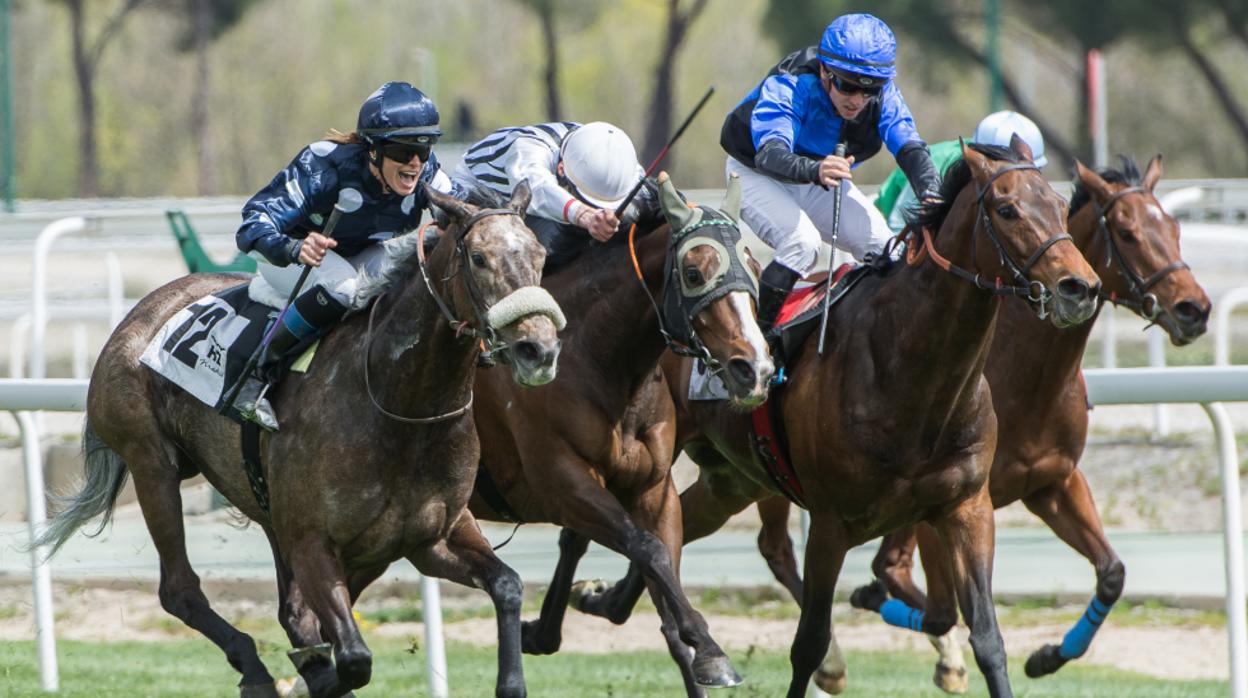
403 151
852 84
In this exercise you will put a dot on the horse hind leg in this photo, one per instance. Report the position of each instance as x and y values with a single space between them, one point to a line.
776 546
180 591
1069 510
545 635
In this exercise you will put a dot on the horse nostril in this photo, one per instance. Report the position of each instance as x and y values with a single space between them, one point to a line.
1075 289
1190 313
527 352
742 371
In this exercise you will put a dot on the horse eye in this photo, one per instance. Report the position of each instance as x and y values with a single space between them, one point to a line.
693 276
1008 212
1126 234
478 259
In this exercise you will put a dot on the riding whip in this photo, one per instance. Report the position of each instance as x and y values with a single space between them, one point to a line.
349 200
619 211
836 229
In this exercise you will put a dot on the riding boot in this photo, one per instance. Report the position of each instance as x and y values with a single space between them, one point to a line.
312 313
774 286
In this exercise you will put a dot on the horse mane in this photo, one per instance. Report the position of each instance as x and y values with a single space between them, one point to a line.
1129 174
932 215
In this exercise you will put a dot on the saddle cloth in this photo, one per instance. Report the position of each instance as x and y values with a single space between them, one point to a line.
204 347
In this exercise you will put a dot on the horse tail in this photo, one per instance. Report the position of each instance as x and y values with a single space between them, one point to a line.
105 474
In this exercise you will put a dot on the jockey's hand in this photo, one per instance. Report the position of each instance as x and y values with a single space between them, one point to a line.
314 247
833 169
601 223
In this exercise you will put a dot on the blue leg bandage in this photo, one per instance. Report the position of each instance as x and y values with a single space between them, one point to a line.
1079 637
897 613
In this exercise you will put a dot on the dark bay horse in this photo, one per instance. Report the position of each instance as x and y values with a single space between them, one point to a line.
375 460
1041 403
896 425
592 451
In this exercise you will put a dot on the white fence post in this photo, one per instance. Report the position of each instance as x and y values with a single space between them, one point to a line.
39 292
1233 543
40 575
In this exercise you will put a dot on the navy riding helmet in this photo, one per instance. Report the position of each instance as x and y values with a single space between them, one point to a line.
401 113
861 48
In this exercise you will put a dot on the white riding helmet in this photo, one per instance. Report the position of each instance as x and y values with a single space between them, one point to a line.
600 161
998 127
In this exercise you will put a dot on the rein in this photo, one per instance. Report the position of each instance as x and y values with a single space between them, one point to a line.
1033 291
1144 303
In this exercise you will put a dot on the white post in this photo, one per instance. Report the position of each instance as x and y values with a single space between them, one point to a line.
1157 359
80 351
39 294
17 346
1233 528
435 646
1222 323
40 575
1109 346
116 291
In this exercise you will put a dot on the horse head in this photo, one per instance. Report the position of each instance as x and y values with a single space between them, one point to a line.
1025 221
708 292
1135 247
494 274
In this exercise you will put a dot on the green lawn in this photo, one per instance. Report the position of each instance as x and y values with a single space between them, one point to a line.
195 668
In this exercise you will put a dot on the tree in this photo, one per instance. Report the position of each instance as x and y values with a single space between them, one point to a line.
659 128
572 12
86 59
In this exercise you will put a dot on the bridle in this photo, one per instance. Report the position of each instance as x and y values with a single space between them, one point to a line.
1143 302
1034 292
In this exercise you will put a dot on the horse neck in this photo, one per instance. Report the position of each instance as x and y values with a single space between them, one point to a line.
416 358
613 327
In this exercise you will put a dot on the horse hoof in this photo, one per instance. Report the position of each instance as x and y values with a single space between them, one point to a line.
585 593
1043 662
259 690
869 597
715 672
950 680
832 684
531 641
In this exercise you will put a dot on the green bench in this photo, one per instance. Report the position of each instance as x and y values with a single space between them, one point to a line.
193 253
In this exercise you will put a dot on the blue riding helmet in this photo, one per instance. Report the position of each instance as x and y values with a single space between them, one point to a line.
861 47
398 112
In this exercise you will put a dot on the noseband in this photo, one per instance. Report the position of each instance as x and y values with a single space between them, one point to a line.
1144 302
1033 291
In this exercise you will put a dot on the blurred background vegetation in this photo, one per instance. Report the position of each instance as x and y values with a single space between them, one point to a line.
201 97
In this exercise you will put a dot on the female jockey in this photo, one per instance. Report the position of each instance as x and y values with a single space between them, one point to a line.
781 141
897 199
376 170
579 174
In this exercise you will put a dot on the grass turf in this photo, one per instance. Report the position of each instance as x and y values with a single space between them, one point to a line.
196 668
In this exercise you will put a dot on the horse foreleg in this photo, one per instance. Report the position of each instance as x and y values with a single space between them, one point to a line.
180 591
825 552
465 557
544 635
776 545
967 533
1068 509
318 575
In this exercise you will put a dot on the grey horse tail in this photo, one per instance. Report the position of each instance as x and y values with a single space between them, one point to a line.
105 475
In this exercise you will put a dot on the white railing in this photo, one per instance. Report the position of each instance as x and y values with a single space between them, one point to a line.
21 397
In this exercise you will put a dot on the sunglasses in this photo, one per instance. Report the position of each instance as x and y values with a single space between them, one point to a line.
403 152
848 87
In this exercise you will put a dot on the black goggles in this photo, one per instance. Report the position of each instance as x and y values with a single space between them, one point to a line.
847 86
404 152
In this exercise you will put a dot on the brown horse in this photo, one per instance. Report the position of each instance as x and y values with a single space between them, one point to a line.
592 451
896 425
1040 400
352 485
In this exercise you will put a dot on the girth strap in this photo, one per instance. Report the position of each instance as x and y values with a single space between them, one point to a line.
252 465
488 489
767 442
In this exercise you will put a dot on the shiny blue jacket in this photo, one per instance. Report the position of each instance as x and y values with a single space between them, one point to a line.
301 197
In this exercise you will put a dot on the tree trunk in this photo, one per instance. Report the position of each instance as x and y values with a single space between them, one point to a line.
1234 112
88 175
206 154
550 73
659 127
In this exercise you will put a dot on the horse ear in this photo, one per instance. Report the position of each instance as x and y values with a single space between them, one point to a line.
732 199
1152 173
675 210
1018 145
520 197
977 161
1093 181
456 209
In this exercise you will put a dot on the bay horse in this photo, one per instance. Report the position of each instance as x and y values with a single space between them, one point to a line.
363 472
592 451
1041 401
896 425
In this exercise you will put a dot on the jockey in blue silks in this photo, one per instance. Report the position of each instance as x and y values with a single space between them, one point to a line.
378 168
781 138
